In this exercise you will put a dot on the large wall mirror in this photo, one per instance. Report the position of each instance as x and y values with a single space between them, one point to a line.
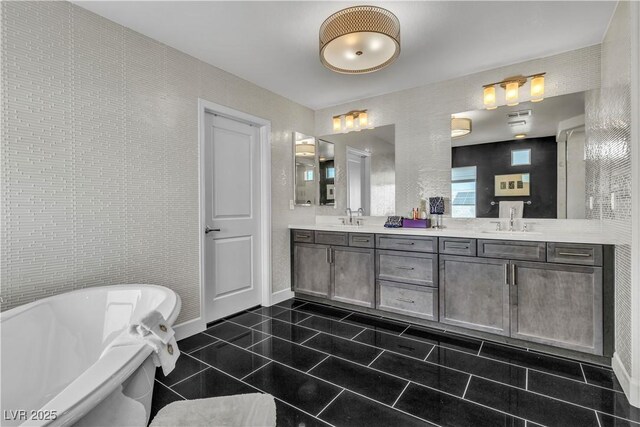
304 183
532 153
358 171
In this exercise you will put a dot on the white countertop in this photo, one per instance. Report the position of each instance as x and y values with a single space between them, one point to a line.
534 236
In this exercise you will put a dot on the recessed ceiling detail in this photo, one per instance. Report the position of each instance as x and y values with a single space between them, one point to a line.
359 40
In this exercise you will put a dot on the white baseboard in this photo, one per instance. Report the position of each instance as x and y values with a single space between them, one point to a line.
630 385
189 328
280 296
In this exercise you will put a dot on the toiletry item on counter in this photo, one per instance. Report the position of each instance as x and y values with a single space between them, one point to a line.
393 222
416 223
436 207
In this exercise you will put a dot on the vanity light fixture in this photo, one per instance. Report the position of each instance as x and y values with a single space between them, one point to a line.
460 127
359 39
512 86
353 120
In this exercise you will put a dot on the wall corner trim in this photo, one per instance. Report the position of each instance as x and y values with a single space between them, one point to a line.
630 385
280 296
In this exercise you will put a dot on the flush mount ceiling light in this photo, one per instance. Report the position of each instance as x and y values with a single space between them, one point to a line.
511 86
460 127
305 149
360 39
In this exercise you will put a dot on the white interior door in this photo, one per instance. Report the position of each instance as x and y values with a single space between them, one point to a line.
232 216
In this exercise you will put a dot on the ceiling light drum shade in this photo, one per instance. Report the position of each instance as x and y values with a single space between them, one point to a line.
305 150
360 39
460 127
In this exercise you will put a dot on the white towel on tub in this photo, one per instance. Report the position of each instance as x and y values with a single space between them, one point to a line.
153 331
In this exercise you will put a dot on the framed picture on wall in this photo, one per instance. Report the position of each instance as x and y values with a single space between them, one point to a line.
513 185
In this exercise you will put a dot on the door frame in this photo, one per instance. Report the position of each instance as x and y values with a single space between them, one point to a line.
264 125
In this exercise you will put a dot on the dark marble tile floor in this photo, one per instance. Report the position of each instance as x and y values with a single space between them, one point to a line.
329 366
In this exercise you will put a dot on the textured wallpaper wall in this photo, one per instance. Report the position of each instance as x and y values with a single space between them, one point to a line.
608 168
100 156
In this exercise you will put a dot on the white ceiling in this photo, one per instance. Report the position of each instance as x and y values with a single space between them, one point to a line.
275 44
489 126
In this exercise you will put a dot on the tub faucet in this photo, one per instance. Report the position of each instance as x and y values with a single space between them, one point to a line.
512 214
349 212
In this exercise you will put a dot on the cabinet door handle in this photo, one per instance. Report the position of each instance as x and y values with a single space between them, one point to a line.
329 255
406 300
332 253
506 274
573 254
405 268
513 274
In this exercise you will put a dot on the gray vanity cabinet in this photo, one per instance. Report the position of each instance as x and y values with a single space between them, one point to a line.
353 276
311 269
559 305
474 293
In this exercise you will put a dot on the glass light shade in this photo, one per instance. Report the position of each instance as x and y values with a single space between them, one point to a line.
337 124
359 39
489 97
460 127
512 95
305 150
348 121
537 89
363 119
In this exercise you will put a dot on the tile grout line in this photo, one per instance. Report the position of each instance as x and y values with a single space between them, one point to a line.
316 365
429 354
405 330
184 398
466 387
583 374
256 370
526 379
184 379
332 400
400 395
311 337
447 348
480 349
254 387
598 419
374 359
354 337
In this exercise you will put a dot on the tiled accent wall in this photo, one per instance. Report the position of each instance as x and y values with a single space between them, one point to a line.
422 119
100 156
608 152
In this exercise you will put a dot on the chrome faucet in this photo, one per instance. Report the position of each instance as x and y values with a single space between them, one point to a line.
361 211
512 214
349 212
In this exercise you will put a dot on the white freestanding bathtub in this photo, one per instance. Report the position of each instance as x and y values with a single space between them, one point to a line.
51 365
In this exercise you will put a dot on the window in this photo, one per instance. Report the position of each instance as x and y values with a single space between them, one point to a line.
308 175
463 192
331 173
521 157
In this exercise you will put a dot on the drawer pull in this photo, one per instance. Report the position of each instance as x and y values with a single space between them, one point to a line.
405 244
361 240
406 300
405 268
461 246
573 254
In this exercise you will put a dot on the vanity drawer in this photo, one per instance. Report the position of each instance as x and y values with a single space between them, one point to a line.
332 238
303 236
361 240
574 253
410 300
457 246
509 249
406 243
407 267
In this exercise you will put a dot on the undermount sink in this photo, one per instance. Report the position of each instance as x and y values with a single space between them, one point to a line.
515 233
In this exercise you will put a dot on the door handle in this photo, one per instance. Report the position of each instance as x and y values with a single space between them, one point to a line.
328 255
506 274
208 230
513 274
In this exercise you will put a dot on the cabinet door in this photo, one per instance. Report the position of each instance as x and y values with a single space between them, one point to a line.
559 305
354 276
474 293
311 269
